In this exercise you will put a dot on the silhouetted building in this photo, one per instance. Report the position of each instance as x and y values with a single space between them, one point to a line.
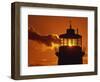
70 50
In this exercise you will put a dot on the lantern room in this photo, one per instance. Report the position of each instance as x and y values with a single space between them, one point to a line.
70 38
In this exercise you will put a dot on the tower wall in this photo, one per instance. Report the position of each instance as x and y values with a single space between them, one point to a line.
69 55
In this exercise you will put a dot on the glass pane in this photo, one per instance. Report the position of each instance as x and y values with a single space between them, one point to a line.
61 42
70 42
74 42
65 42
80 42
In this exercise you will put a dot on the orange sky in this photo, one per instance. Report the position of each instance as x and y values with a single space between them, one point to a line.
40 54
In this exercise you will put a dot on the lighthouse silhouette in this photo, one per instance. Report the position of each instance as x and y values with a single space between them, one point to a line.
70 49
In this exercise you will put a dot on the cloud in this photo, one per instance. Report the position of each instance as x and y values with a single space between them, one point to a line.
47 40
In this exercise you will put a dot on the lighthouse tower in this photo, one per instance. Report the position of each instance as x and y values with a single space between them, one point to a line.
70 50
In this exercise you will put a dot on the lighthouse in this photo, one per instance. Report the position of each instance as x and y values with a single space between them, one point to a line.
70 49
